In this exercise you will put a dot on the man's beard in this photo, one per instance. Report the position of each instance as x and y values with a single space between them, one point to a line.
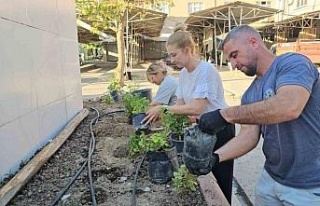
251 71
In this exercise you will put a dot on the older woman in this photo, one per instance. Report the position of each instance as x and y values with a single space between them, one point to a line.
157 73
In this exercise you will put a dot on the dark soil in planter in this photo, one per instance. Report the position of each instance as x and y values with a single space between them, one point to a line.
112 170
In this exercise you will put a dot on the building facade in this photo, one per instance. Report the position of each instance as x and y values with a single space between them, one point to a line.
40 83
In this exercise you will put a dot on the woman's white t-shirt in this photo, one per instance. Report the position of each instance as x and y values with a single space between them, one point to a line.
203 82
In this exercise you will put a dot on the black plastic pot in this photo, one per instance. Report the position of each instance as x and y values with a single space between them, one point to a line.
174 138
139 128
160 169
130 119
197 151
115 96
144 93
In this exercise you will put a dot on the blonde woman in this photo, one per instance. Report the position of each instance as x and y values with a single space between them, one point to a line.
157 73
200 90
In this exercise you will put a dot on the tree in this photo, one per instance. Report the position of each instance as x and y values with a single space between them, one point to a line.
111 14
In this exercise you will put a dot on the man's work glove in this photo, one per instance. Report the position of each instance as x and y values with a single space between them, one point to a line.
197 151
212 122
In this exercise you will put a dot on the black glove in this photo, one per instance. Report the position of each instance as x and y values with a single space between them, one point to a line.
212 122
197 151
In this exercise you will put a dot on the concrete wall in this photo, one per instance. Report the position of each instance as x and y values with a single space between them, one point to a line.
40 88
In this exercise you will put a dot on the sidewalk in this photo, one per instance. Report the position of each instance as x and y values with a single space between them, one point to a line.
246 169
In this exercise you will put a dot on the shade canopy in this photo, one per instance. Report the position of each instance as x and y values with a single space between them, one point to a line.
225 17
140 21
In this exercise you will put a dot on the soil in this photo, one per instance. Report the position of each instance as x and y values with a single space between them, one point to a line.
113 170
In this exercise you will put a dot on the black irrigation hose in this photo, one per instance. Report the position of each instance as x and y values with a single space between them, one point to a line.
133 197
86 163
62 192
90 152
116 111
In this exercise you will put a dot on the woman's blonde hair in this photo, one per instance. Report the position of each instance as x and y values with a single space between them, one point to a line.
157 67
181 38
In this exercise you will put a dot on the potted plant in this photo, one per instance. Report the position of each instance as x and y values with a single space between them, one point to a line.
115 89
139 105
161 155
127 98
134 105
174 125
108 99
183 180
136 144
162 158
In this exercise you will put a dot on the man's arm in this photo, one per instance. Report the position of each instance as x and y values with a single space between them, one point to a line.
286 105
244 142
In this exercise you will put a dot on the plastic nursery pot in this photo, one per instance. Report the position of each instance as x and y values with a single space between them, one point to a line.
144 93
174 138
197 150
139 128
115 96
160 169
130 119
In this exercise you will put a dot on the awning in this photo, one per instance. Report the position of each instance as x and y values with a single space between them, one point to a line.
306 20
227 16
146 22
141 21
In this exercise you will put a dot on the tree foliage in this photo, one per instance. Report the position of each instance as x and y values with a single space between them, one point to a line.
111 14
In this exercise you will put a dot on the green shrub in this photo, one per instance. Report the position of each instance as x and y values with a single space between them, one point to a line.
135 104
108 99
136 146
183 180
156 142
114 86
141 143
175 123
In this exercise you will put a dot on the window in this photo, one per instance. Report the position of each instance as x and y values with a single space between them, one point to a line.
161 7
264 3
195 6
301 3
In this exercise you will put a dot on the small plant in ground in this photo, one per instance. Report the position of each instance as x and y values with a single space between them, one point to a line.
114 86
176 123
183 180
108 99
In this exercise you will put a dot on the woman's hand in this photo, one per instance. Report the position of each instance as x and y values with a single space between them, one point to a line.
193 119
152 114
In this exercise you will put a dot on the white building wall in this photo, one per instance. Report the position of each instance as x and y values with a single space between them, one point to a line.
40 85
297 7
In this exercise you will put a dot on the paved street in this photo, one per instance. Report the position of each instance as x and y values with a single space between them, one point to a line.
247 168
